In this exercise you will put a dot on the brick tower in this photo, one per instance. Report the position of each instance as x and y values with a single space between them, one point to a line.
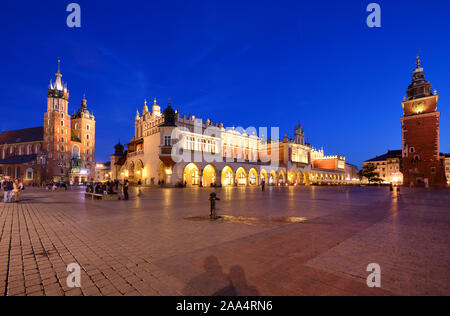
422 164
83 140
57 131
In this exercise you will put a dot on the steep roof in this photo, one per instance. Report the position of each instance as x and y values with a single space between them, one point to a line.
26 135
18 160
386 156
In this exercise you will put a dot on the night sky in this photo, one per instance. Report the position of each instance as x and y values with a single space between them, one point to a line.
244 63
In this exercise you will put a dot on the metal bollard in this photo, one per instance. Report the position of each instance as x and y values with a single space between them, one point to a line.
213 198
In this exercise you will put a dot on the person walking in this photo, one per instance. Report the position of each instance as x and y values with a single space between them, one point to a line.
17 190
126 184
140 186
8 187
263 185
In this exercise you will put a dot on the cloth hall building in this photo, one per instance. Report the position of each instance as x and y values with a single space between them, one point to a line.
241 158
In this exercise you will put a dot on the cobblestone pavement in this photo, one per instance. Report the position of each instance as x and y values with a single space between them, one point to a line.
147 246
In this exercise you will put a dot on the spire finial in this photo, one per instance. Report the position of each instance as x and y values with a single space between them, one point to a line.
418 59
145 102
58 74
154 101
170 101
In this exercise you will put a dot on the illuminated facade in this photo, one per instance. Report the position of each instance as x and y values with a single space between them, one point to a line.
422 162
62 150
388 167
171 149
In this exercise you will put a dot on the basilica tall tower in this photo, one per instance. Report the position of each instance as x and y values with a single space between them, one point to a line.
422 164
57 130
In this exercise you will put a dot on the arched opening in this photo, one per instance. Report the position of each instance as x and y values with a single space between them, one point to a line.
139 170
299 178
292 178
307 178
209 176
241 176
253 177
281 177
161 173
131 171
76 151
273 178
265 176
191 176
18 175
227 177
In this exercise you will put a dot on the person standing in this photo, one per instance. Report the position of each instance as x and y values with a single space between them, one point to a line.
140 186
8 187
263 185
126 184
17 190
1 184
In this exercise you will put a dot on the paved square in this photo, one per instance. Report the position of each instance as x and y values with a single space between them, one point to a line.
147 246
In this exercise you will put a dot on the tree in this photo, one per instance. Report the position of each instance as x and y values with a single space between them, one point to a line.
369 172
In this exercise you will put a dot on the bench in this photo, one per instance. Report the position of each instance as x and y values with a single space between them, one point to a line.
103 197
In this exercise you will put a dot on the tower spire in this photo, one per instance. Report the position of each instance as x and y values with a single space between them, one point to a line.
58 74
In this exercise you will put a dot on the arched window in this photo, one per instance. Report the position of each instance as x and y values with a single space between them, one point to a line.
412 149
8 171
76 151
29 150
76 125
18 172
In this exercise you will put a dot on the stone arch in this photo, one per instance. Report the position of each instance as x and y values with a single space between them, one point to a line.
227 176
131 170
292 178
191 175
139 170
300 178
241 176
209 177
253 179
273 178
281 177
263 175
161 173
307 178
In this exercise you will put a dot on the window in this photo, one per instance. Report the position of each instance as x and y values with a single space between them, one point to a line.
242 180
88 136
412 150
195 178
167 140
62 123
29 174
88 127
229 178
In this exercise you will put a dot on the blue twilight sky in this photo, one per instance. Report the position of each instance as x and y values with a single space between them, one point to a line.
240 62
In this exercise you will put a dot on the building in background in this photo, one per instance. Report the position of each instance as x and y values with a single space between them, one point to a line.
351 174
62 150
245 158
422 163
447 168
103 171
388 166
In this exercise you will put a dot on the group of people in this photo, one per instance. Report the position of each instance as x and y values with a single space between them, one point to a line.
112 187
12 190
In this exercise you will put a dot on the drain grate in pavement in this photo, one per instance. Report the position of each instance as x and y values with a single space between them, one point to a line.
250 220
